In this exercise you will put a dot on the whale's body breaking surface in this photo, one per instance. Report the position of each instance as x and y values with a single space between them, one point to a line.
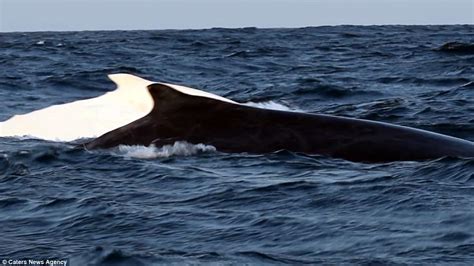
230 127
141 112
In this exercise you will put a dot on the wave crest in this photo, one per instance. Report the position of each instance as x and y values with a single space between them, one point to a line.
273 106
179 148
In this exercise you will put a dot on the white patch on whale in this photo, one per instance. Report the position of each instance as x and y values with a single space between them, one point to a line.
92 117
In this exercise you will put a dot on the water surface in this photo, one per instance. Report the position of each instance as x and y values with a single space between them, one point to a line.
139 206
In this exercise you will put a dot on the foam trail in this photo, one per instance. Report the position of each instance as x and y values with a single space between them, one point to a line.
179 148
273 106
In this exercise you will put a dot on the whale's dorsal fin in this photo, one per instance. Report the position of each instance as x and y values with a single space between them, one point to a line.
128 82
167 98
173 111
196 92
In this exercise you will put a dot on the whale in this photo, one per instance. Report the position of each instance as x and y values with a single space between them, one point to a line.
238 128
90 118
149 113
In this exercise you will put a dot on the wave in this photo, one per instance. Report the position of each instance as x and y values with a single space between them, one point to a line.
179 148
433 81
238 208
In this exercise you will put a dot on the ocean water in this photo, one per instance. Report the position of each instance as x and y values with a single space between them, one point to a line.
191 204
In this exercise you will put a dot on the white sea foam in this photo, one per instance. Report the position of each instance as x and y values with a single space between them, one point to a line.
179 148
273 106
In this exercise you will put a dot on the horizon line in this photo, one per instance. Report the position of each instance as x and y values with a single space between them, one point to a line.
237 28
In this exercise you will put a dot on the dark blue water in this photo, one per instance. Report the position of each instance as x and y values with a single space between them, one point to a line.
107 208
